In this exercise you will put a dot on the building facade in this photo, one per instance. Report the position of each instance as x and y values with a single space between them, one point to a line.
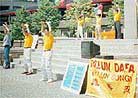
8 8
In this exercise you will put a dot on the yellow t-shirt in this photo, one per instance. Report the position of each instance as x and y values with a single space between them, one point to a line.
98 21
117 16
28 41
48 41
81 22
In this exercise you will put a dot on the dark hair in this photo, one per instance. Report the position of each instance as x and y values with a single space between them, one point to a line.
117 10
47 29
37 32
46 26
24 22
25 31
99 15
80 16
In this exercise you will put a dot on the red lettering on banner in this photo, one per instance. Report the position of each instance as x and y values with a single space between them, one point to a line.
100 65
109 86
127 89
124 67
116 67
101 75
93 63
95 82
121 67
131 69
125 78
105 66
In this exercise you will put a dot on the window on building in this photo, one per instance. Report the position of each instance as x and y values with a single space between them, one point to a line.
16 7
32 0
4 8
3 19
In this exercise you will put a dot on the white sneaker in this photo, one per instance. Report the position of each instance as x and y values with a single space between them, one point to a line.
50 81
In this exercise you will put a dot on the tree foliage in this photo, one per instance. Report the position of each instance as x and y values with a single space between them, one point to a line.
80 7
1 36
46 11
21 16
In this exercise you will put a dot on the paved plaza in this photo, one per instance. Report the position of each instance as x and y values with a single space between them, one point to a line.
13 84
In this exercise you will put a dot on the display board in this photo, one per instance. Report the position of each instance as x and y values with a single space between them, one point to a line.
74 76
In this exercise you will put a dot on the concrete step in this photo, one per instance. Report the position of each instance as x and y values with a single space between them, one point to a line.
118 46
67 48
58 54
126 57
129 60
59 49
64 42
116 41
75 52
67 41
67 44
68 56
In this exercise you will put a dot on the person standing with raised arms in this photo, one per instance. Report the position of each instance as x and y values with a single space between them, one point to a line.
28 40
48 40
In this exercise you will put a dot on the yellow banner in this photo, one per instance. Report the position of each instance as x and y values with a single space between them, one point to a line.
111 79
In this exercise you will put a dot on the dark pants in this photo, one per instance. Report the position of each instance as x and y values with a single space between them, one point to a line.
6 55
117 26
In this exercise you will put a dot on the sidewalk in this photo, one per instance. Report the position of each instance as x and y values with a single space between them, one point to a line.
15 85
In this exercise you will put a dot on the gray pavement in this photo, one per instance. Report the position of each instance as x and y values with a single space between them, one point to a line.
13 84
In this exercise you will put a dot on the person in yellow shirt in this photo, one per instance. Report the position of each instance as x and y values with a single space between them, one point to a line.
28 40
81 22
48 40
98 26
117 23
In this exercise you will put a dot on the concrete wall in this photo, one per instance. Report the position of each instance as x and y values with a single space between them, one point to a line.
130 19
17 43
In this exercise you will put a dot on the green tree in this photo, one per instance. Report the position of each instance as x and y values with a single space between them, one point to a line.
1 36
47 12
77 8
21 16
